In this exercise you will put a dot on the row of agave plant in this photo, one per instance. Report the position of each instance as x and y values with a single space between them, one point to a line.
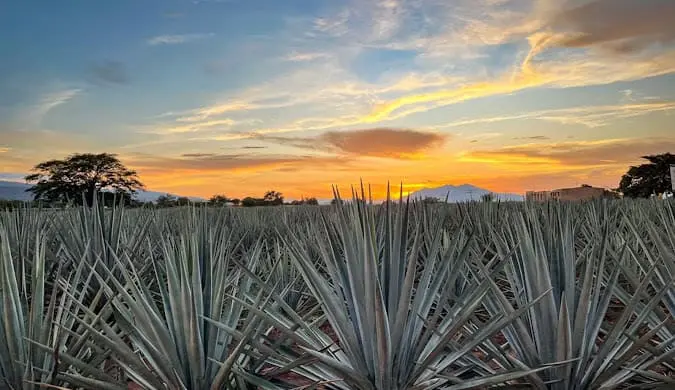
352 296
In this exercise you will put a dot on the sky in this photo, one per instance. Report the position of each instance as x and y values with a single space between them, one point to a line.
238 97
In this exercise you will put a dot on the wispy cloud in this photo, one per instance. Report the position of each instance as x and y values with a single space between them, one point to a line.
49 102
336 26
570 154
306 57
214 162
177 39
572 71
588 116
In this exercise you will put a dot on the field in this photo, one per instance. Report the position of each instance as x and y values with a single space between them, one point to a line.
350 296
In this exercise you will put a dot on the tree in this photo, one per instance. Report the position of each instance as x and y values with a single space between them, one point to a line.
487 198
273 198
311 202
305 201
652 178
167 200
81 175
235 201
219 200
250 202
183 201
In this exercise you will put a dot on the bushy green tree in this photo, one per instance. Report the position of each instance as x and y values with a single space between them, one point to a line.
81 176
652 178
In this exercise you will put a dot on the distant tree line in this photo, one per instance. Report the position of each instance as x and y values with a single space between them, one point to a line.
85 179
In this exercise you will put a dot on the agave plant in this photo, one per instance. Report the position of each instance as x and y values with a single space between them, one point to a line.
566 325
396 327
187 334
33 331
20 363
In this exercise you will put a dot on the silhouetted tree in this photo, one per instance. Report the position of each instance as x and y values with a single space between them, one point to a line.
167 200
81 175
489 197
273 198
219 200
251 202
235 201
183 201
305 201
648 179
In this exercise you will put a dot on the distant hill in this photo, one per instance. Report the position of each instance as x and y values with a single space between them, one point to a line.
462 193
10 190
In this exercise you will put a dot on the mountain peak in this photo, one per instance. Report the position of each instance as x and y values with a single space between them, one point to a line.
461 193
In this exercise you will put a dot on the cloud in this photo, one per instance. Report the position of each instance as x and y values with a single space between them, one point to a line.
377 142
588 116
621 26
4 149
581 154
177 39
306 57
113 72
571 71
534 138
48 102
335 27
194 163
197 126
197 155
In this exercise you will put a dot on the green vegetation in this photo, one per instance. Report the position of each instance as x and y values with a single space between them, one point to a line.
80 177
649 179
351 296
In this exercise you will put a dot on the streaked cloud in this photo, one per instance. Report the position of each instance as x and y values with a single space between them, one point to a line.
34 114
377 142
585 154
588 116
177 39
306 57
194 163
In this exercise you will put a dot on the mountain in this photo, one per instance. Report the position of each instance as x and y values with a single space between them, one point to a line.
462 193
10 190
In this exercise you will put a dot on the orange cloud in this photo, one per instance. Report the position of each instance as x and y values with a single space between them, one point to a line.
377 142
573 155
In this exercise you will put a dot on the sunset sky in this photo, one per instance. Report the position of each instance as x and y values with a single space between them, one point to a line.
243 96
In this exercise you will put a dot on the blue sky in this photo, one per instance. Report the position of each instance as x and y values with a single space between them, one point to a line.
236 97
